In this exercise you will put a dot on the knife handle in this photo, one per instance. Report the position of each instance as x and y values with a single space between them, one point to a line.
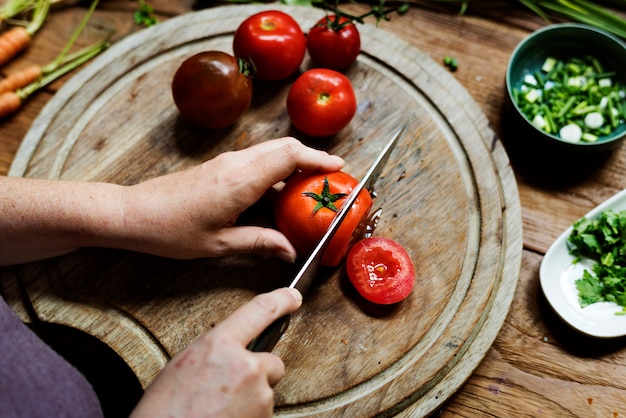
270 336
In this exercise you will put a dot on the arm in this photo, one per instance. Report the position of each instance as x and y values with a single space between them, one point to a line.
45 218
183 215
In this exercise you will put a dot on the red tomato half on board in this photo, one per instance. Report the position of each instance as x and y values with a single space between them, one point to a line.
321 102
381 270
307 205
272 42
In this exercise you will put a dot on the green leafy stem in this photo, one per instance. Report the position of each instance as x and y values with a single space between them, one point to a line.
602 15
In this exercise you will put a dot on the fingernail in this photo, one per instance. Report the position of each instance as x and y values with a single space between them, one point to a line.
338 159
296 294
286 256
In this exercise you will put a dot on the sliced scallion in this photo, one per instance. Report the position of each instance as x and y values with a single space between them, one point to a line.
578 93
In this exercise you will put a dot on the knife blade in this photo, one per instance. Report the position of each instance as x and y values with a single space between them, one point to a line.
304 277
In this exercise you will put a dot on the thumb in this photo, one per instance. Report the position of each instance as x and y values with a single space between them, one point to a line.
257 240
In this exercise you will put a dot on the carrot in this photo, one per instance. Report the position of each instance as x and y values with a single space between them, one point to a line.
15 89
10 102
12 42
18 38
20 79
13 8
34 72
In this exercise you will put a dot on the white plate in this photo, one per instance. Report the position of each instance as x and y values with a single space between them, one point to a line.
558 275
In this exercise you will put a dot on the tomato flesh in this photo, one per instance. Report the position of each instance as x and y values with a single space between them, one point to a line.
381 270
304 221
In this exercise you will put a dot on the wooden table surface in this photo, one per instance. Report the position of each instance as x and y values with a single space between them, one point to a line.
537 366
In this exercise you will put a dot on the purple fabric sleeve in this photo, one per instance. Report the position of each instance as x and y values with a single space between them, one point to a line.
37 382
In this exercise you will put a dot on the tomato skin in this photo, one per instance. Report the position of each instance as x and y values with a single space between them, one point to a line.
334 43
321 102
210 90
273 42
381 270
296 219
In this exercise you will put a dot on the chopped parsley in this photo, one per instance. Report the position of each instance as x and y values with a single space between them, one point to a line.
144 16
451 63
602 240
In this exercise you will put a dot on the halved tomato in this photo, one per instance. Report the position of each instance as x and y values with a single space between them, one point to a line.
381 270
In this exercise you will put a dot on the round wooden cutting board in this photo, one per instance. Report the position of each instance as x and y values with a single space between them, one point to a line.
448 195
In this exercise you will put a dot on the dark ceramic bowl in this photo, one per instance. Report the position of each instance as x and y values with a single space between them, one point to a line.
564 41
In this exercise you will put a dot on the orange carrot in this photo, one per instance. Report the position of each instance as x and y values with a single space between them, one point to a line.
20 79
10 102
12 42
15 89
17 39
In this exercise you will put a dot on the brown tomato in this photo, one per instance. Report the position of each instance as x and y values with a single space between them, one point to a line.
212 89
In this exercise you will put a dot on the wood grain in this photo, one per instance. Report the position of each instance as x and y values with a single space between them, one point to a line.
537 365
449 180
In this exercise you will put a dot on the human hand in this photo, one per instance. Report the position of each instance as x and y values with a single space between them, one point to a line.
217 376
192 213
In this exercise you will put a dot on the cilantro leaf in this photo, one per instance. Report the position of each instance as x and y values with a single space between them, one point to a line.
602 240
145 15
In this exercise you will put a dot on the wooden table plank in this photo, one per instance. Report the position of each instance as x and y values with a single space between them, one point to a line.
537 366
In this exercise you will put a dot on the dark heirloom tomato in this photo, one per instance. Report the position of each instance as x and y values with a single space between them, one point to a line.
381 270
334 42
307 205
273 42
211 89
321 102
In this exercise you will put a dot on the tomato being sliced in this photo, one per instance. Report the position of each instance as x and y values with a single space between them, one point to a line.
307 205
381 270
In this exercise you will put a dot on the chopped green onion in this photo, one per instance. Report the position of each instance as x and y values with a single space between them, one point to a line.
532 96
587 137
571 133
594 120
578 93
548 65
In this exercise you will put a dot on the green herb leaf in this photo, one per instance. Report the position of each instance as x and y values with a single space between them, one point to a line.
451 63
602 240
145 15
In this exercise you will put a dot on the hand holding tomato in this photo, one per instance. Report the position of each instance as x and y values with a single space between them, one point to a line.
321 102
193 213
334 42
307 205
273 43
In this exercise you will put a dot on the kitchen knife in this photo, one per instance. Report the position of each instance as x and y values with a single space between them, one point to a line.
303 279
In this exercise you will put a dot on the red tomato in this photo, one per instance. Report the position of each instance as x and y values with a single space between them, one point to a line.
321 102
273 42
334 42
307 205
381 270
211 89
